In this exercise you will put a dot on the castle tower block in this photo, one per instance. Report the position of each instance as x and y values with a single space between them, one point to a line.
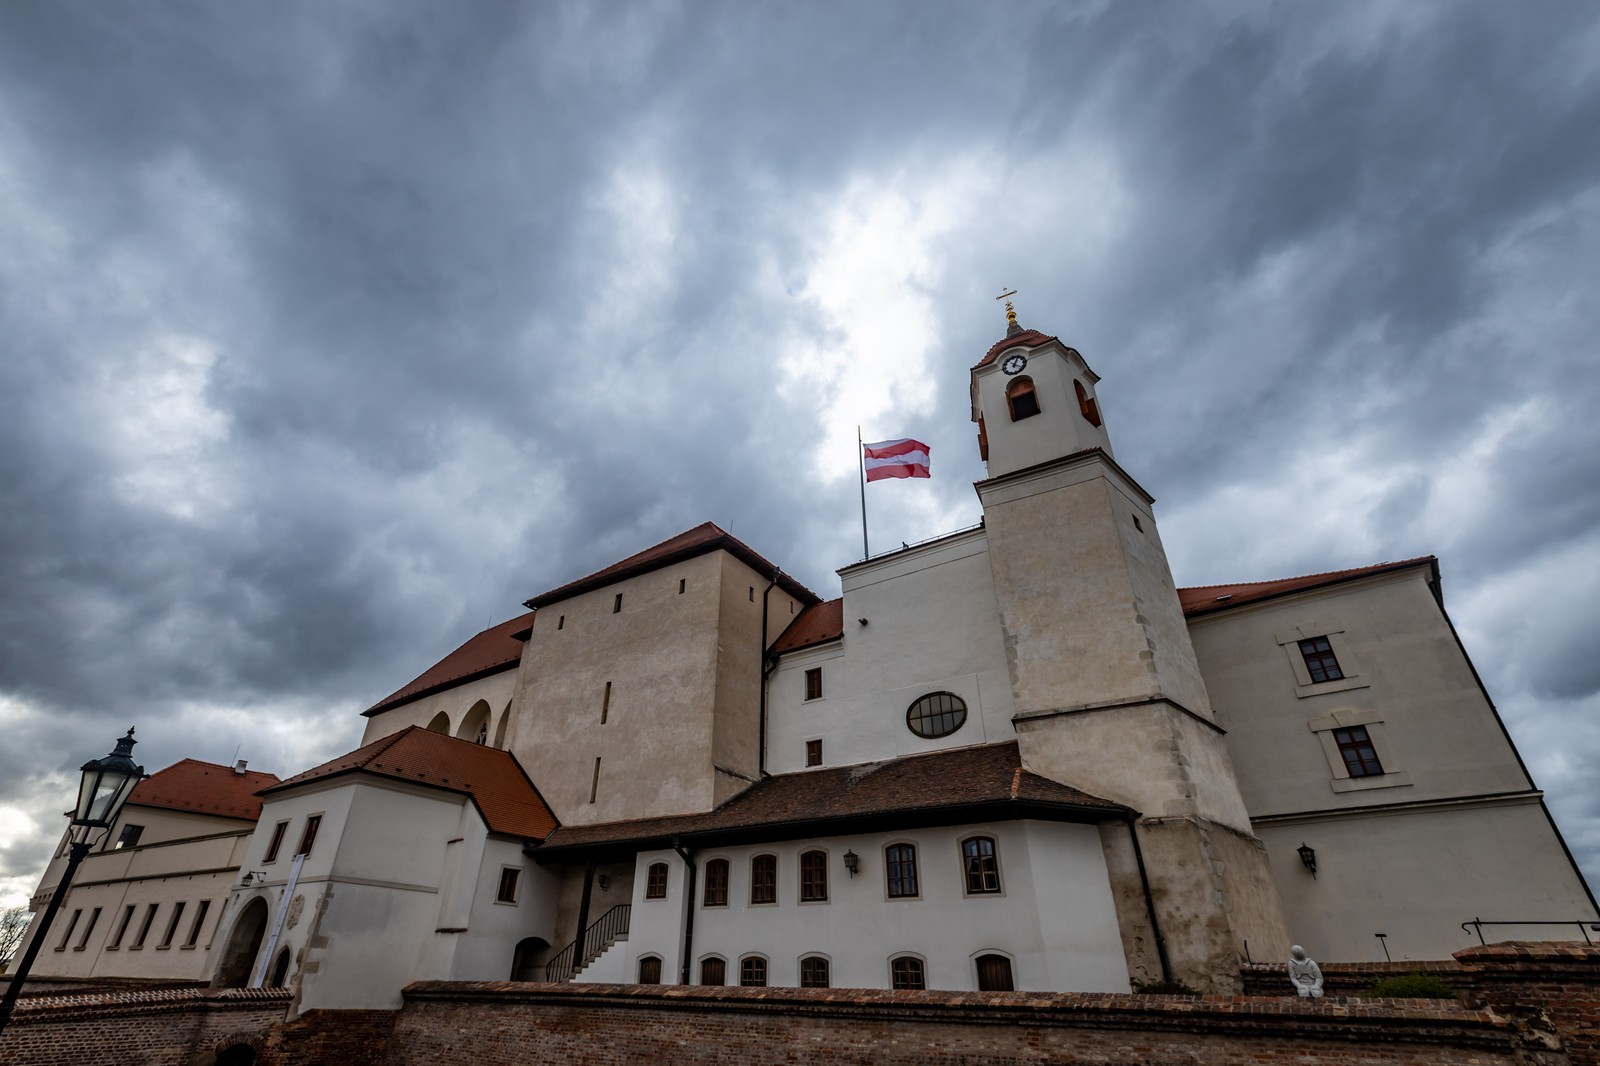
1108 693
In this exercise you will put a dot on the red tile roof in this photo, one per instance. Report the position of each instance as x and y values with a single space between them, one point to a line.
507 799
1207 599
1030 338
817 624
941 787
704 538
205 788
495 649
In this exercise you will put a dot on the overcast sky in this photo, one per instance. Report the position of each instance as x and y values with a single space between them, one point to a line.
329 332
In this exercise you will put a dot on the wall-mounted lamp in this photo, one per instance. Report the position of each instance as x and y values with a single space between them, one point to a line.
862 621
851 862
253 875
605 881
1308 857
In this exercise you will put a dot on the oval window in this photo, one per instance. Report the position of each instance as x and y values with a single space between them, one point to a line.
937 714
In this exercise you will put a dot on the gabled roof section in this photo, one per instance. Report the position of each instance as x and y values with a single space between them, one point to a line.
1028 338
817 624
496 648
941 787
204 788
1209 599
496 782
702 539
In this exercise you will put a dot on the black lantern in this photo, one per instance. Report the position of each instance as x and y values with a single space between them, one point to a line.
1308 856
105 787
851 861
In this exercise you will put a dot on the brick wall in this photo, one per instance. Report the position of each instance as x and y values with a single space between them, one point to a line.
320 1037
1550 992
163 1027
493 1023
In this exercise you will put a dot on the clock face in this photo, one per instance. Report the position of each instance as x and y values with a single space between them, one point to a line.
1015 364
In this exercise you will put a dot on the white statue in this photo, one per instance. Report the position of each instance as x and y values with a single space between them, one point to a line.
1304 974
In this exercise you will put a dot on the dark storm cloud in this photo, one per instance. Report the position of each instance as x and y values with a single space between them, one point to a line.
333 332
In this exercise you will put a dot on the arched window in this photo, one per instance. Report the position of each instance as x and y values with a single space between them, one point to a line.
1086 406
1022 399
753 971
713 970
994 974
937 714
906 971
440 724
650 970
716 894
280 970
813 877
655 881
764 879
900 866
814 972
475 724
981 864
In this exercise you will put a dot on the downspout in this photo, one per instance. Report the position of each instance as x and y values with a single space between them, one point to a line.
1149 901
766 672
583 914
688 903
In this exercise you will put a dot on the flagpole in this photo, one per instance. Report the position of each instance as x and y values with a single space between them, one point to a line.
861 458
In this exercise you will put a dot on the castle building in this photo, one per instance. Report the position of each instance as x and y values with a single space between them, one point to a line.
1013 756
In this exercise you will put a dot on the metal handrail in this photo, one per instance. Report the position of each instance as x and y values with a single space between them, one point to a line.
1584 925
600 935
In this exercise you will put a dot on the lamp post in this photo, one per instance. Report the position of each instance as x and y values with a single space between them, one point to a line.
102 792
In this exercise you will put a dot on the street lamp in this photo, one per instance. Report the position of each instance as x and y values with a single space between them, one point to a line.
102 792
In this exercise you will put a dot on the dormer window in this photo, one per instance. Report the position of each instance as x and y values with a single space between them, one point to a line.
1022 399
1086 405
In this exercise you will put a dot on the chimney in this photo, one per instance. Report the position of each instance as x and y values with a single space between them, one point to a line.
240 765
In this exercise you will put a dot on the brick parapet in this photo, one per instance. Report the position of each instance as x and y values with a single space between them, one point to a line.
152 1027
1345 978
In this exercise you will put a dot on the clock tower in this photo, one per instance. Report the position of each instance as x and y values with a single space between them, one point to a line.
1108 693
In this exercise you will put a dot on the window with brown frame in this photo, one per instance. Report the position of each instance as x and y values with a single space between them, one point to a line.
813 972
716 894
650 970
1086 406
813 876
753 972
814 683
764 879
813 753
900 864
308 839
1022 400
1360 757
276 842
713 972
907 972
994 974
981 864
655 881
1321 663
507 892
938 714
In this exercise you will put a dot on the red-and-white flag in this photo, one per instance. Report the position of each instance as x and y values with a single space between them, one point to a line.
896 458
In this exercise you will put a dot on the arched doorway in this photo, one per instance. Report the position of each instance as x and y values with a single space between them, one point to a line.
237 1055
475 725
524 966
440 724
245 941
280 970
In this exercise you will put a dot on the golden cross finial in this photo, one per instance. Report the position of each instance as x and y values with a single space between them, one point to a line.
1011 314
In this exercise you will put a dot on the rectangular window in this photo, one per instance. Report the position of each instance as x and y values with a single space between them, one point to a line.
144 926
71 925
616 604
814 683
1360 757
507 893
199 921
983 869
814 877
83 941
907 972
753 972
813 753
594 783
813 972
655 884
764 879
122 927
1321 663
605 704
172 924
561 621
277 841
680 586
129 837
309 838
900 862
752 594
716 894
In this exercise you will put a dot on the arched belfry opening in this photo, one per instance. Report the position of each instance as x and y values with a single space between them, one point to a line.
243 943
475 724
1086 404
1022 399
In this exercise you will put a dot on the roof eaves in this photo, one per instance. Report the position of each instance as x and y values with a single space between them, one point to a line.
391 703
1336 578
